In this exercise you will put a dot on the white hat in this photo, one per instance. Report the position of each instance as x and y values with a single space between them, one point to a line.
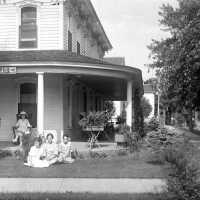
23 113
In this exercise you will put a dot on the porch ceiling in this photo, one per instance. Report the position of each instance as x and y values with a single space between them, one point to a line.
111 88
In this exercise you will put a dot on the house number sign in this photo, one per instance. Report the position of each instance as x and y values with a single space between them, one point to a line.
8 70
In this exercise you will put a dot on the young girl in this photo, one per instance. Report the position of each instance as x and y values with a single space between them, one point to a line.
22 127
36 154
65 150
50 150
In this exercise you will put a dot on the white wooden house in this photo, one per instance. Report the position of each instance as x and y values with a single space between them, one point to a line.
51 65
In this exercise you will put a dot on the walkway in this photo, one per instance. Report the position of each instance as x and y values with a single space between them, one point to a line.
56 185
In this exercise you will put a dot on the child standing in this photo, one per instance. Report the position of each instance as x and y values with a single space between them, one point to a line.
65 150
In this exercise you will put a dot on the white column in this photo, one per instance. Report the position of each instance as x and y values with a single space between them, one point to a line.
40 103
129 109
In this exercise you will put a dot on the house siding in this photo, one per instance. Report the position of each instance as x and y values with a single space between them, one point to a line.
49 27
53 103
53 24
8 27
70 24
8 108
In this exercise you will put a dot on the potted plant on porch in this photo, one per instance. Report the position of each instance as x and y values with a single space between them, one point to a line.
94 123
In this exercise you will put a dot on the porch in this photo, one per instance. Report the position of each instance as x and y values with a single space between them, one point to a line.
54 87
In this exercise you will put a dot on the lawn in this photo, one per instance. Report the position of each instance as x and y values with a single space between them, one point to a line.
115 167
79 196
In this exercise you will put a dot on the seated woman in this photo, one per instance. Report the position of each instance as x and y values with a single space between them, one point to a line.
50 150
22 128
36 155
65 150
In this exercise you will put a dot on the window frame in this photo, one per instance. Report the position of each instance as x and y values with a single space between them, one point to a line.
33 42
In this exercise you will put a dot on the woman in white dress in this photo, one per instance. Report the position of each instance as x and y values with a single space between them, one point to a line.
36 155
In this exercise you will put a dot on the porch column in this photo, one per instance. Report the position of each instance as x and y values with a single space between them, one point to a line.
129 109
40 103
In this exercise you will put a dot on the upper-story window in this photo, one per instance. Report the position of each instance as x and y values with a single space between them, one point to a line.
28 28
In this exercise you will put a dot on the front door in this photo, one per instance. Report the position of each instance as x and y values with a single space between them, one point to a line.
28 102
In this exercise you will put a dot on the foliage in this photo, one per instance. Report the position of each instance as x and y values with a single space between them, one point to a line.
132 139
109 107
153 124
177 58
138 114
4 154
183 182
158 141
147 108
97 155
27 143
99 118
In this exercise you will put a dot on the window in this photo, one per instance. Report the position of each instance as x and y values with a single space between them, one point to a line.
69 41
28 28
78 46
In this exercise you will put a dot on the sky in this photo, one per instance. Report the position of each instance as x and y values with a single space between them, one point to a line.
130 26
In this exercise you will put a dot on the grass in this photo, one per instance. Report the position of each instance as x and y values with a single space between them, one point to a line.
80 196
116 167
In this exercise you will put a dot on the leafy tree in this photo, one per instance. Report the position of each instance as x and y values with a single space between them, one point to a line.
177 58
147 108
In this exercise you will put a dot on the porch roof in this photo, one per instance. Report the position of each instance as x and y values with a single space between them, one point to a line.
53 56
62 61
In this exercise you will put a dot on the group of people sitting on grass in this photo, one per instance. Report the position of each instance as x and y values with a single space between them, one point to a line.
45 151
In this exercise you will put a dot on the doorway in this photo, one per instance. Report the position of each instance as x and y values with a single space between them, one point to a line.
27 102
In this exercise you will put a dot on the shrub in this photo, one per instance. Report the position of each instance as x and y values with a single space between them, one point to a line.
183 181
97 155
147 108
160 142
27 143
5 153
132 141
153 124
122 152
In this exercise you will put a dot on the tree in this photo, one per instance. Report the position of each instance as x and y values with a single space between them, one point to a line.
177 58
147 108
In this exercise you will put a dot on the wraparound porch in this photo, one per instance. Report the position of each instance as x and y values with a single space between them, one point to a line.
54 93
